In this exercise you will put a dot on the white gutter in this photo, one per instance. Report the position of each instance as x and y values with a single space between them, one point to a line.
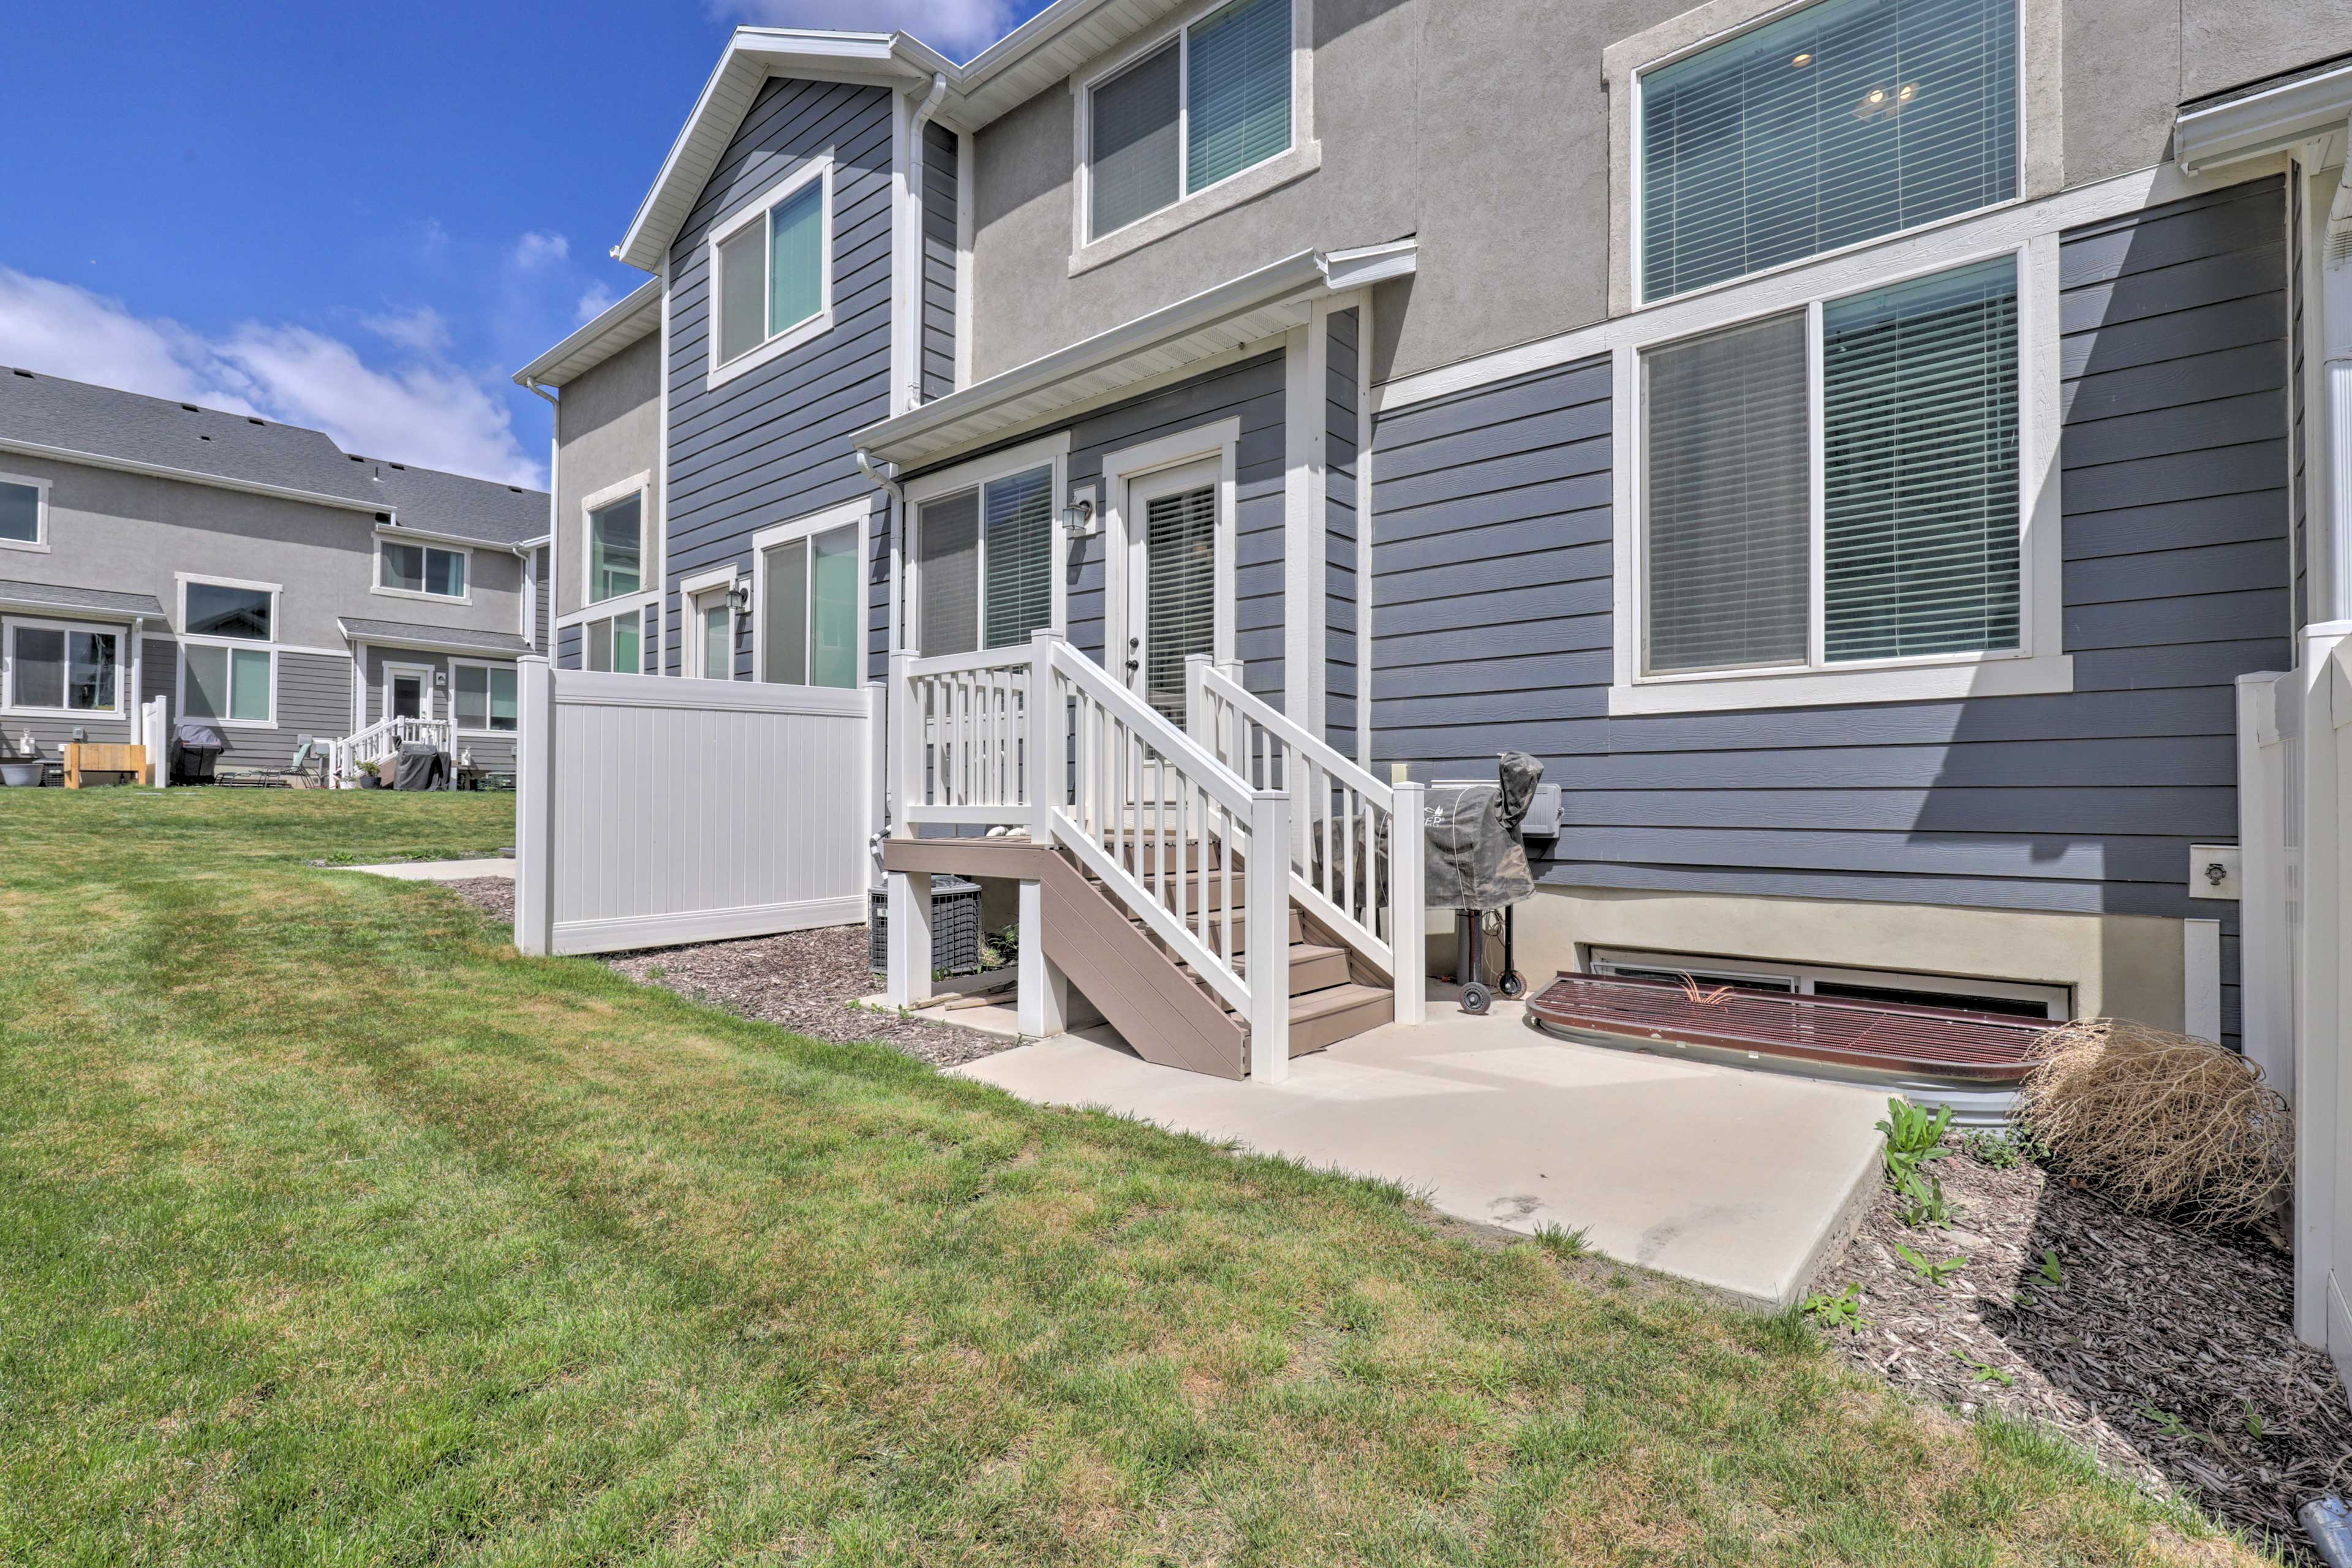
2234 129
165 472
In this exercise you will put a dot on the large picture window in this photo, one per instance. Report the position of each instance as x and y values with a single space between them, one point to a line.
1213 100
485 697
774 267
226 610
984 557
809 609
616 537
1844 122
56 667
1905 546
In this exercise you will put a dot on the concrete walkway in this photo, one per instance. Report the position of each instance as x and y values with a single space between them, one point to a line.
1743 1182
437 870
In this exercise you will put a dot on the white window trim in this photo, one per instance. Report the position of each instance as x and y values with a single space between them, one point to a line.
39 543
1624 64
817 169
407 666
120 630
457 664
1303 157
180 689
377 587
649 585
613 610
972 476
857 514
1123 545
2036 665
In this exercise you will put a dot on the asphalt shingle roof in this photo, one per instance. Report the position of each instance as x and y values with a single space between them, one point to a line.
70 416
81 598
361 630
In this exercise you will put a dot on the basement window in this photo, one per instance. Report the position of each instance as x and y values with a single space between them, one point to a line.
2005 998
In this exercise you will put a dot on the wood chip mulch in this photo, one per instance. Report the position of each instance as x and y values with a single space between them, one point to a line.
807 981
2168 1351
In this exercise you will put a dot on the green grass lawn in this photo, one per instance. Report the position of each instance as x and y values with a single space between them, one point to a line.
330 1231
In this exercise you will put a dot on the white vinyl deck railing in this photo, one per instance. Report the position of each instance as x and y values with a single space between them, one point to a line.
1355 842
1132 798
347 757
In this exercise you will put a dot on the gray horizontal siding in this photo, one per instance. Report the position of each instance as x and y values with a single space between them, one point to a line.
1340 404
314 698
772 445
940 177
1491 562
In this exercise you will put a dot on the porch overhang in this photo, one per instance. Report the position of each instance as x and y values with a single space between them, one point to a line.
1252 308
2261 117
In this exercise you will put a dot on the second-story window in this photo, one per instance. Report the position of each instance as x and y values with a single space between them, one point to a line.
1213 100
23 503
616 548
228 667
775 281
423 569
1841 122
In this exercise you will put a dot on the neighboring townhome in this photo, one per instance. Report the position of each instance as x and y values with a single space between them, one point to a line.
253 575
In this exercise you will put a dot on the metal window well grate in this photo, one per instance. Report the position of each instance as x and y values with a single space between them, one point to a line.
955 926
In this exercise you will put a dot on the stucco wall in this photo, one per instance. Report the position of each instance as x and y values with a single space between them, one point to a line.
1482 127
608 429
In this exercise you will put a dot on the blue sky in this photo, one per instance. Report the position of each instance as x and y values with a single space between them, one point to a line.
357 217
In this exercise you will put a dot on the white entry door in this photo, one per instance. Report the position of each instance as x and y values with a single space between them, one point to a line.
1178 588
408 691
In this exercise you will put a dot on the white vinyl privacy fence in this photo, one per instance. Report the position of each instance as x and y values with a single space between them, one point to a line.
652 812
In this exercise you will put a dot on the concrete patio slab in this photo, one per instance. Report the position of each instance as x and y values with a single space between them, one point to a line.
1742 1182
437 870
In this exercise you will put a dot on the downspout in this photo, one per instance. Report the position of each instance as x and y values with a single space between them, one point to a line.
913 368
884 476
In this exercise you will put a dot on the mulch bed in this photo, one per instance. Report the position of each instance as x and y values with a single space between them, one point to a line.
806 981
2168 1351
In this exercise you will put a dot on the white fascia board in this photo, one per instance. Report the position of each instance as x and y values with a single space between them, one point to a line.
752 57
164 471
634 318
1307 275
470 541
2259 122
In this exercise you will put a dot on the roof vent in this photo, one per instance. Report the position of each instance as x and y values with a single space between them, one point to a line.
190 407
516 489
249 419
203 437
402 467
355 458
384 517
26 374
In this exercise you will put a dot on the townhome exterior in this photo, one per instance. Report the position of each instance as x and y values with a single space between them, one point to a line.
1027 282
253 575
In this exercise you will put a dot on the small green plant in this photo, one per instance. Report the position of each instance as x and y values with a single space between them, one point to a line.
2253 1418
1919 1199
2052 1271
1934 1274
2171 1426
1914 1139
1843 1310
1984 1371
1562 1242
1003 948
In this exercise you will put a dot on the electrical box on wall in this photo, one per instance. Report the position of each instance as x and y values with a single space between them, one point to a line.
2213 871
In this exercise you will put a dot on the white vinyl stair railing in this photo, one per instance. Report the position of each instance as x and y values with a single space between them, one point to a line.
348 757
1355 842
1041 736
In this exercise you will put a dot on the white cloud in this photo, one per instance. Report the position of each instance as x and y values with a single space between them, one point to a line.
535 251
966 26
423 330
425 410
593 303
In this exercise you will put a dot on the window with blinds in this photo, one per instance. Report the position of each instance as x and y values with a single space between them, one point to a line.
1844 122
1017 557
1726 501
783 613
1180 597
947 556
1919 470
1211 102
1918 510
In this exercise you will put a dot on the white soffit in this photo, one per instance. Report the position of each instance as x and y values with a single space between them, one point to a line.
2251 121
635 317
1256 306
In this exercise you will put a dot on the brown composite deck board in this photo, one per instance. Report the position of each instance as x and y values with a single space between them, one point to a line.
1156 1008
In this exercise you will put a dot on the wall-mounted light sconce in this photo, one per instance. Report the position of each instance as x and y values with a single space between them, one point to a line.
1080 519
739 597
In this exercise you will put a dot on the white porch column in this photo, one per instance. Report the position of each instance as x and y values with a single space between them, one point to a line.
534 921
1043 1003
2320 1210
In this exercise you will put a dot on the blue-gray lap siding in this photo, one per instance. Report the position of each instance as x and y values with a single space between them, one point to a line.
772 445
314 698
938 346
1340 403
1492 625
